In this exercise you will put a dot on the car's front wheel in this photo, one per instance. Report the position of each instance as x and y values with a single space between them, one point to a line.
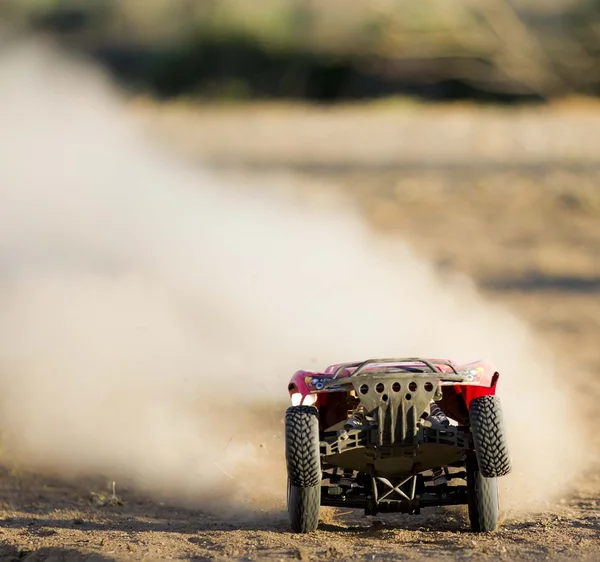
303 467
489 436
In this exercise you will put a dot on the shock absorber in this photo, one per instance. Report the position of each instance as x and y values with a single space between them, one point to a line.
356 420
437 414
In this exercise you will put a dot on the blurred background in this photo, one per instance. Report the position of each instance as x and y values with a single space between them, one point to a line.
497 50
470 128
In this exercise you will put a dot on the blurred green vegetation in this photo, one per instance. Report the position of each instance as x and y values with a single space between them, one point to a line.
329 50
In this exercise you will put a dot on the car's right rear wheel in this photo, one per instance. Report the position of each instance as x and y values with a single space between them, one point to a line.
304 467
482 497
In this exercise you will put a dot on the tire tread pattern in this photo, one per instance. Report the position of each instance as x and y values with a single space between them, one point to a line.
489 436
303 507
302 446
482 499
304 467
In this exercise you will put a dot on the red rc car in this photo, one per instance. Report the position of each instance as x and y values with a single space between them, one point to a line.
395 435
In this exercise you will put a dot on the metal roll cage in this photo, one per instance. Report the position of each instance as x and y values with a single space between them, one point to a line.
394 369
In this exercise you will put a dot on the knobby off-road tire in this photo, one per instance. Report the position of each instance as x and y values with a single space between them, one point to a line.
482 497
303 467
489 436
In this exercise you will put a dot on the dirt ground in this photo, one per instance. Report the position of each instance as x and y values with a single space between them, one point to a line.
509 198
55 520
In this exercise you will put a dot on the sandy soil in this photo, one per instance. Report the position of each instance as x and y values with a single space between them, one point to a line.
52 519
524 224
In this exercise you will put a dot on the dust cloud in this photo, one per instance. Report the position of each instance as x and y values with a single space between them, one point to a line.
151 313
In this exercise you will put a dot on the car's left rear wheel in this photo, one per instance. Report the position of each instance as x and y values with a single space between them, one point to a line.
304 504
304 467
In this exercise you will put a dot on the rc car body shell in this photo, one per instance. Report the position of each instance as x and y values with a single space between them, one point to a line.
480 378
